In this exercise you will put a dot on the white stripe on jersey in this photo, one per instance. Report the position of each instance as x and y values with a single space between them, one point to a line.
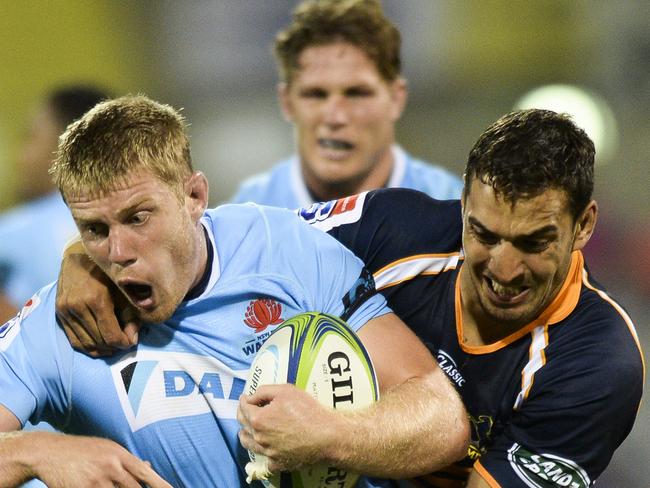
408 268
537 360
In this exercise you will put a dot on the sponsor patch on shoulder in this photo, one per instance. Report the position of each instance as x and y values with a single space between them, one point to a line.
8 332
327 215
10 329
30 306
546 470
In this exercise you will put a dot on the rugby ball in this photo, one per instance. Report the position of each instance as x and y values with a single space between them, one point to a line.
321 355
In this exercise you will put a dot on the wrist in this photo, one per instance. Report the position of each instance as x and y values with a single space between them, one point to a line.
336 433
20 453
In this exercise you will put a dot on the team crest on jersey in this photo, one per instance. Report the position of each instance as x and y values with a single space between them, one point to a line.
263 312
546 470
481 426
159 385
260 314
327 215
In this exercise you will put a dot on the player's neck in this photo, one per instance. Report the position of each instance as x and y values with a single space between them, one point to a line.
377 177
478 328
206 255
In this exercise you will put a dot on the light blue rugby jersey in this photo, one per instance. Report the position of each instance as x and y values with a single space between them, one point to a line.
173 399
284 186
32 237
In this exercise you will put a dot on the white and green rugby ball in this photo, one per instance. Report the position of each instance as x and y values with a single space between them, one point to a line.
321 355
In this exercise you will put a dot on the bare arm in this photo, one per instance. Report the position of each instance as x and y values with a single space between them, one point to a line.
418 426
87 303
65 461
476 481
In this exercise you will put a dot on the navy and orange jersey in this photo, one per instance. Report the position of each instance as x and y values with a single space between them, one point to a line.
549 404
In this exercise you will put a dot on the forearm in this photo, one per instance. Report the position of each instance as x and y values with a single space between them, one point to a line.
16 449
415 429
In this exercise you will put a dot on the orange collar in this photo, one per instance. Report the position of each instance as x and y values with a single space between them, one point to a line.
561 306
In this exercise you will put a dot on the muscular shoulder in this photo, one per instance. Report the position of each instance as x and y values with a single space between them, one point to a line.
266 188
433 180
248 220
34 334
35 320
384 225
603 331
594 362
265 236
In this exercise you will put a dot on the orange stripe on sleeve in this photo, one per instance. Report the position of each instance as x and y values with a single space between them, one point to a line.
487 477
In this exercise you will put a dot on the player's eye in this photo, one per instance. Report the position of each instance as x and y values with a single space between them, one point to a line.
94 231
485 237
315 93
139 218
533 245
359 92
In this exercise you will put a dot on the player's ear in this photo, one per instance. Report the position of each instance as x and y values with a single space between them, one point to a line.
399 95
285 101
196 194
584 226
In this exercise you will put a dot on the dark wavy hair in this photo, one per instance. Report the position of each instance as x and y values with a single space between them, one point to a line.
527 152
321 22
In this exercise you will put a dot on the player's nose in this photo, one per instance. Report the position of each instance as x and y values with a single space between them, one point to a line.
120 248
505 264
335 111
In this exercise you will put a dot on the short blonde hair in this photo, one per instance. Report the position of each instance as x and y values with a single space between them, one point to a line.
358 22
117 137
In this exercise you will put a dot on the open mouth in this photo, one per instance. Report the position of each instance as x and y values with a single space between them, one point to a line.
336 144
506 294
140 294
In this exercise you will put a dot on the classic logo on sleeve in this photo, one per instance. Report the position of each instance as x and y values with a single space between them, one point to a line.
546 470
448 365
327 215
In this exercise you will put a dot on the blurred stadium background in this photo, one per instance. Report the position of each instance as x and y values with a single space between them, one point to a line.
467 63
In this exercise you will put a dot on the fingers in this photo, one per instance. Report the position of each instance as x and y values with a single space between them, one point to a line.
126 480
265 394
247 432
106 328
80 339
131 330
144 473
248 442
86 305
83 332
129 320
93 328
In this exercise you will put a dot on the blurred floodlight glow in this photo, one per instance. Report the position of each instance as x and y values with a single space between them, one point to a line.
588 110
